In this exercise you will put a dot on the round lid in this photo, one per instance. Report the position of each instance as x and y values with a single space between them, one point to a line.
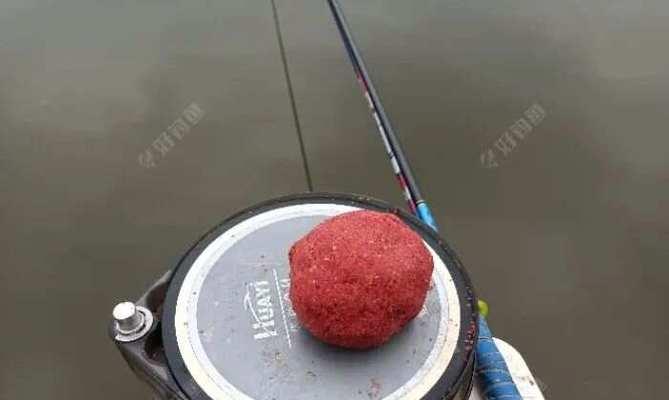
230 332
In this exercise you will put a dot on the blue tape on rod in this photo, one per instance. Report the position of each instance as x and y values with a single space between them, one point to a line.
425 215
493 373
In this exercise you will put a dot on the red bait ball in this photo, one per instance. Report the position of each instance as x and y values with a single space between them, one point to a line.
358 278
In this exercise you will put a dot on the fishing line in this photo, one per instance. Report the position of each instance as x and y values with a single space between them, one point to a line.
291 96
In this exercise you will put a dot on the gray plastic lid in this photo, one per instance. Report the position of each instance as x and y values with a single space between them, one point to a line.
238 338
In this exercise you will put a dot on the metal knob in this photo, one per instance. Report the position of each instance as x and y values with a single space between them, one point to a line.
128 319
131 322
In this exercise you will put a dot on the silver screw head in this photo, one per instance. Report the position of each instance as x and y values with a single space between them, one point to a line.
128 318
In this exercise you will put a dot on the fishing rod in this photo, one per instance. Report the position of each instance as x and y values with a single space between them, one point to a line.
398 160
493 372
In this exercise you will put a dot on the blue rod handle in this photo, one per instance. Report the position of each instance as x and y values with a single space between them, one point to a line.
493 373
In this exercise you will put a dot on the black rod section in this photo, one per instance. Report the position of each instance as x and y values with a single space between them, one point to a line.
362 73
